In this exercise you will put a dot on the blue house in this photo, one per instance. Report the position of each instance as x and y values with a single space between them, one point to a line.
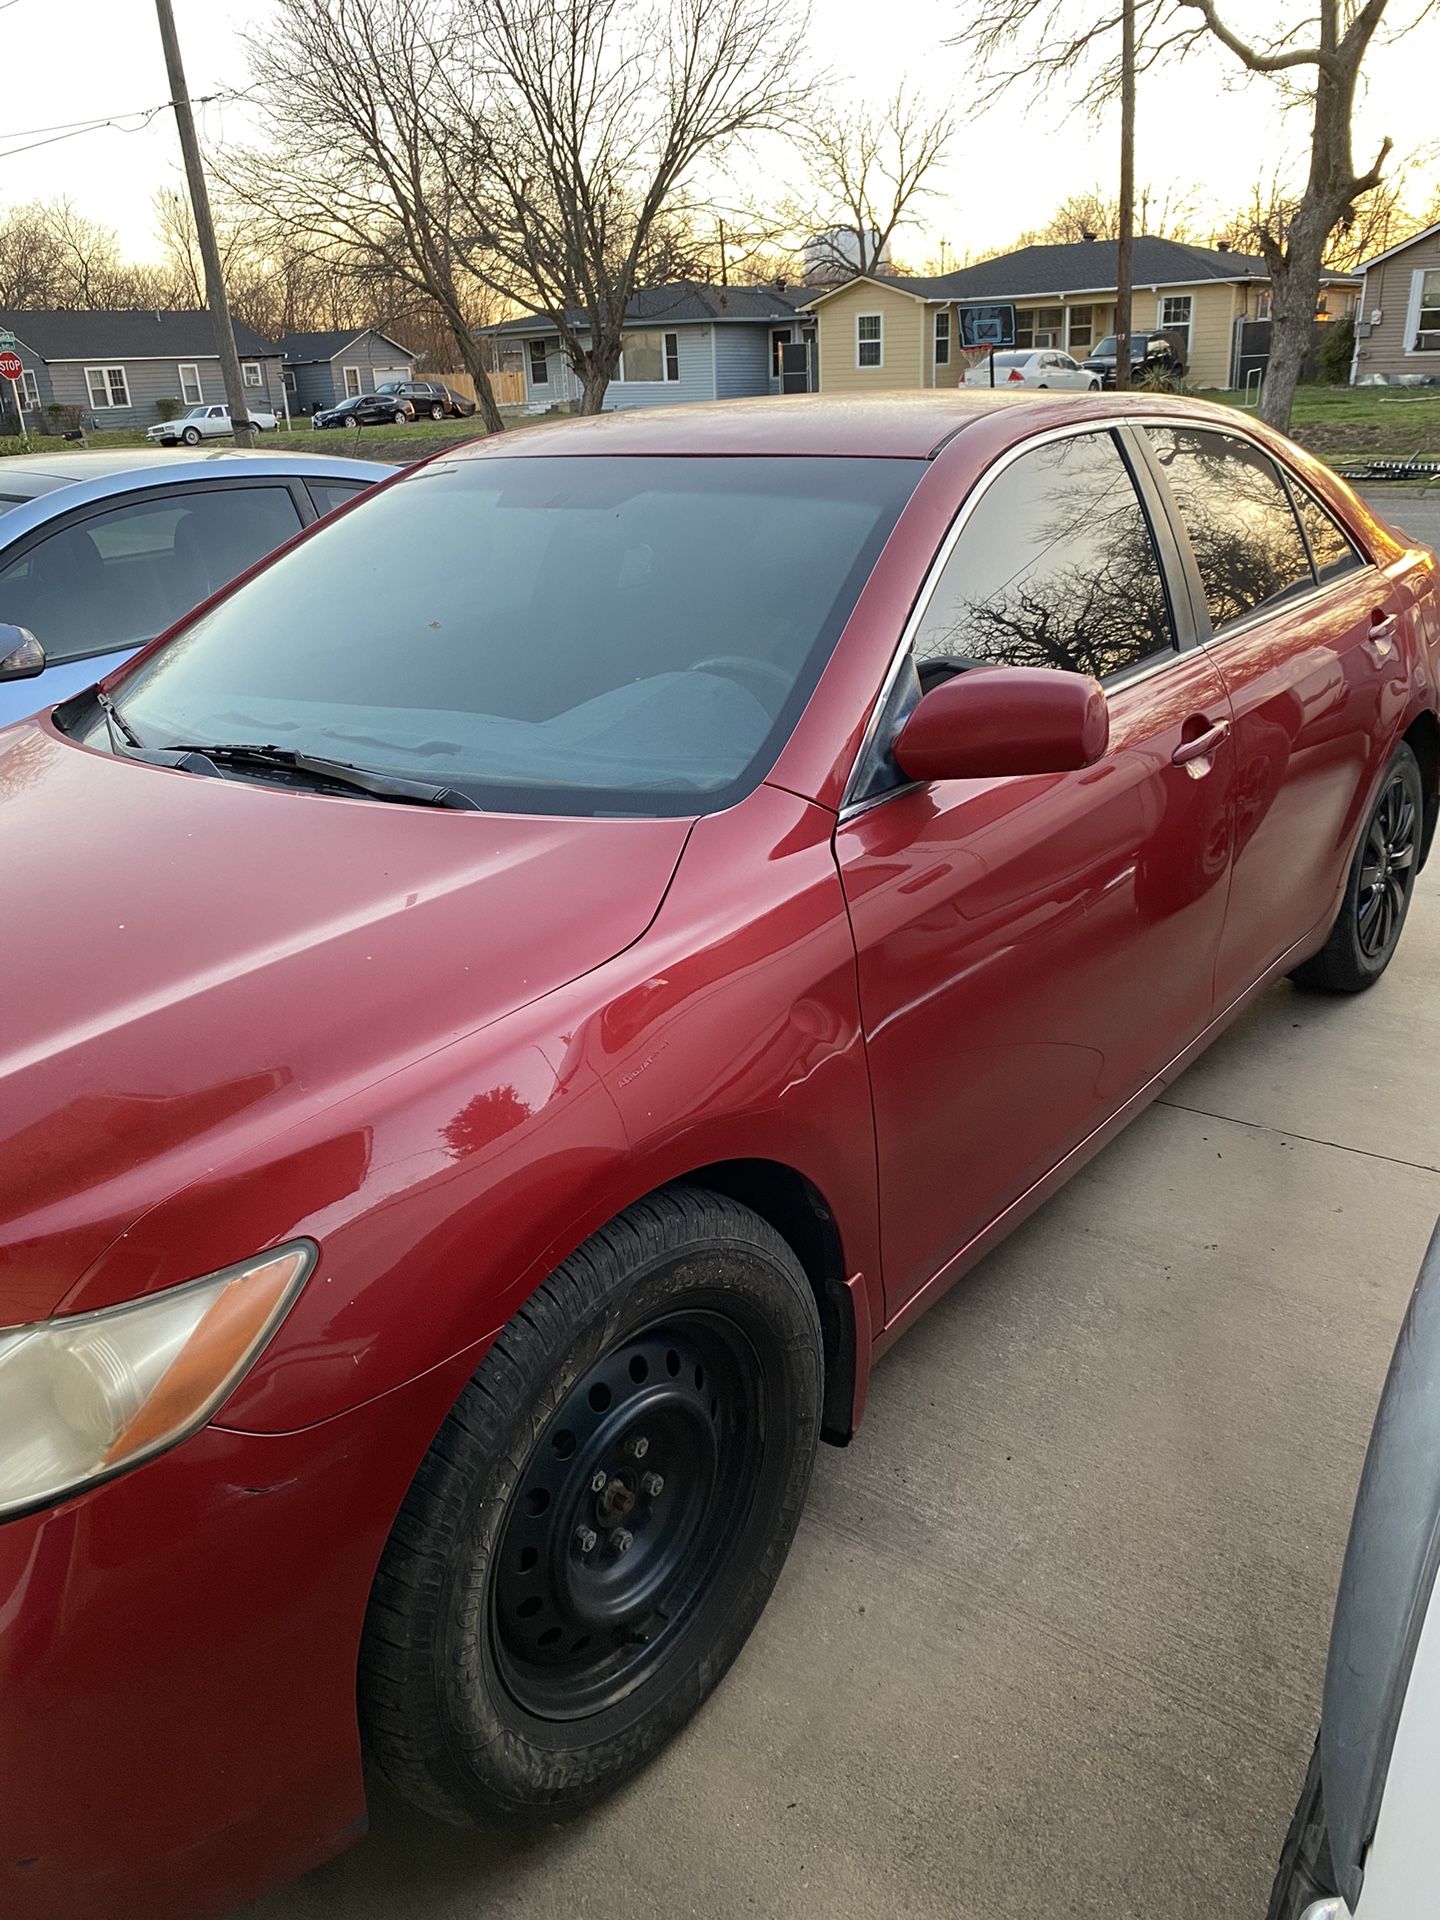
681 342
322 369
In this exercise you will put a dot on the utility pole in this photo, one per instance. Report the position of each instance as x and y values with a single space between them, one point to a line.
1125 240
205 231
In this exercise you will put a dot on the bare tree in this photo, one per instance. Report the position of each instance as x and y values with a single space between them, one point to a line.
584 125
1166 215
349 94
868 168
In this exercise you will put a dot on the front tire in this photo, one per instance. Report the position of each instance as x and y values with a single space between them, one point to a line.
191 436
601 1519
1378 892
399 417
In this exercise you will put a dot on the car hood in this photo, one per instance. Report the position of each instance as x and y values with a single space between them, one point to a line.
184 960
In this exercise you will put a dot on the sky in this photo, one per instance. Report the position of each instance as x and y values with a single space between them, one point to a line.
1008 171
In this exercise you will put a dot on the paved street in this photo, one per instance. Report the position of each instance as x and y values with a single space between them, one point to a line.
1052 1635
1415 510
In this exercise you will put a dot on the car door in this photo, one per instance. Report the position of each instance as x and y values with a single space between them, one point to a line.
1033 951
101 581
1300 625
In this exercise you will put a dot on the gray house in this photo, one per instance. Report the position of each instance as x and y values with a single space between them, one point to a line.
322 369
118 365
682 342
1397 330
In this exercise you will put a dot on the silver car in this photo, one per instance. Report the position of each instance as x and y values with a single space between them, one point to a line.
100 552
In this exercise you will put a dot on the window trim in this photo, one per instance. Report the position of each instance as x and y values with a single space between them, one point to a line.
1413 311
870 366
29 386
531 378
942 339
110 404
1204 627
1173 573
247 367
25 544
1162 325
191 367
666 379
357 392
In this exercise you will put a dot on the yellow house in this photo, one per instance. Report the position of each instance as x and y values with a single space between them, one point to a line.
894 331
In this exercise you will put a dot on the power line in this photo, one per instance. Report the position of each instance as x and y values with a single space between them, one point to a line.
72 129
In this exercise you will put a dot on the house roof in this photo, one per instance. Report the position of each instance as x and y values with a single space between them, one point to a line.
1081 266
304 348
1425 233
683 303
129 334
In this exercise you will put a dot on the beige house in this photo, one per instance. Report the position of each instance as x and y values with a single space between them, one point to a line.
896 331
1397 327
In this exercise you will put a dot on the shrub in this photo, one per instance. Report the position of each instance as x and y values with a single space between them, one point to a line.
1337 349
168 409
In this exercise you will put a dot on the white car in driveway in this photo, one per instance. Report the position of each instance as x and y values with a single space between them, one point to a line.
205 423
1040 367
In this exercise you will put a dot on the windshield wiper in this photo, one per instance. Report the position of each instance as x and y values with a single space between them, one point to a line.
335 773
115 721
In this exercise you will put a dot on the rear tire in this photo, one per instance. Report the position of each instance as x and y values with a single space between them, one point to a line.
1379 889
437 412
548 1613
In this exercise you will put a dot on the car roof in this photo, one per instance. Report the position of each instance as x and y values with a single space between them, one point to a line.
29 475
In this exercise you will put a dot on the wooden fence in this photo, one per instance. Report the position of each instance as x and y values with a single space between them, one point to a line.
508 388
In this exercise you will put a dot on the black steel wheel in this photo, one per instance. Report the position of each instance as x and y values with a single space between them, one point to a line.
598 1525
1381 883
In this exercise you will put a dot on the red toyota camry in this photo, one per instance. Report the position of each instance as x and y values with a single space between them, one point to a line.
430 1250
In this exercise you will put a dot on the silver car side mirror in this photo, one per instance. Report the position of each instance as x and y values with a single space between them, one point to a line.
21 654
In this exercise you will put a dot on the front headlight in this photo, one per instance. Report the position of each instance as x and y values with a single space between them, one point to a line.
89 1396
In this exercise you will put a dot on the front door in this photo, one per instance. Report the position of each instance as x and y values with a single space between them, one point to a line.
1301 631
1032 951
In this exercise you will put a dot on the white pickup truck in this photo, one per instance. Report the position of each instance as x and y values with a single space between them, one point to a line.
204 423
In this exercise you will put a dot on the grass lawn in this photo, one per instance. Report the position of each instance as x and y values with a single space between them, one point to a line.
397 444
1344 424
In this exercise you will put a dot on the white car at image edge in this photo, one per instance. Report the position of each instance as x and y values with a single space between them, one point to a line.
1040 367
205 423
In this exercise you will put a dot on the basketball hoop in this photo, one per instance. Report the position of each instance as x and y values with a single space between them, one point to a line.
973 357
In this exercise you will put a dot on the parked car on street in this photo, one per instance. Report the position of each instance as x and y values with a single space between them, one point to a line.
1150 354
206 423
99 552
377 409
431 1249
430 399
1041 368
1362 1843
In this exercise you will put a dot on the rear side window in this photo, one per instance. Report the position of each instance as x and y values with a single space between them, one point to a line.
1242 528
123 576
330 494
1055 568
1331 548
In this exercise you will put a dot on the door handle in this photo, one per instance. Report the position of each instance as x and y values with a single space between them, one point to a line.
1381 637
1203 744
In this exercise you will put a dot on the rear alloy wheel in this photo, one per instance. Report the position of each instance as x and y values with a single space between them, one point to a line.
1377 894
600 1521
437 412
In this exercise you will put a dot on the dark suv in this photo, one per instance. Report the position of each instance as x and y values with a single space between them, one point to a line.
1149 353
397 401
429 399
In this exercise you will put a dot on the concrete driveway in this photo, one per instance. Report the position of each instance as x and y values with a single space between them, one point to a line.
1052 1635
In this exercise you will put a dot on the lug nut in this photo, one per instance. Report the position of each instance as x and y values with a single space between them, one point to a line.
599 1480
585 1539
651 1485
622 1540
637 1446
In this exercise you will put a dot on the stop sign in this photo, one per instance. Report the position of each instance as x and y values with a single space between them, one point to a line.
10 367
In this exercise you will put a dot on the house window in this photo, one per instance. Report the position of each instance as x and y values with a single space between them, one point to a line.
942 338
1174 315
1079 327
650 358
1040 327
1262 306
869 340
29 387
189 383
108 386
1426 298
252 374
288 376
352 382
539 363
779 340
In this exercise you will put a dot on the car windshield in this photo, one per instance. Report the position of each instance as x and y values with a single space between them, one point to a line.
1107 345
389 386
196 413
603 635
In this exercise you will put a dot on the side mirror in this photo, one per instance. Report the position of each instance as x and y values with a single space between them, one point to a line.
21 654
991 722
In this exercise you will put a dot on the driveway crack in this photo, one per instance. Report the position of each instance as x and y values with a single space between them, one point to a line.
1290 1133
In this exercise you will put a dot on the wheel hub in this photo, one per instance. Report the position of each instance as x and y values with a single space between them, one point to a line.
634 1491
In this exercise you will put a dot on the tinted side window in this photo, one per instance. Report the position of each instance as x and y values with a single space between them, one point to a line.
1246 539
330 494
1054 568
1331 548
121 577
